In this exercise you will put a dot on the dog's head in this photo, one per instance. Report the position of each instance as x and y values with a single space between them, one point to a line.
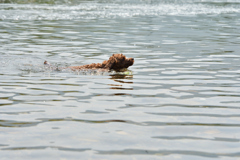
118 62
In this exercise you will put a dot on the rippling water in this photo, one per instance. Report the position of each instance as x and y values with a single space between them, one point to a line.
180 100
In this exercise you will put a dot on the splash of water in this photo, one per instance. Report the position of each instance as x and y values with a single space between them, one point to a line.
113 10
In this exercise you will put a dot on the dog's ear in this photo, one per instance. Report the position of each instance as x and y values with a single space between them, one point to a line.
110 63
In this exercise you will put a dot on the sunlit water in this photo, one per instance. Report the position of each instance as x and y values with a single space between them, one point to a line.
180 100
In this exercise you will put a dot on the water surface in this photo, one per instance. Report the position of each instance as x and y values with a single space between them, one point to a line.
180 100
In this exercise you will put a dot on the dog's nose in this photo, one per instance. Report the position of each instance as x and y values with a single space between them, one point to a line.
132 58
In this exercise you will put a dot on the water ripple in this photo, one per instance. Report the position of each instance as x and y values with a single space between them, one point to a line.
179 100
167 152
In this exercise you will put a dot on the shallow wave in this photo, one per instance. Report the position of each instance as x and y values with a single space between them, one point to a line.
163 152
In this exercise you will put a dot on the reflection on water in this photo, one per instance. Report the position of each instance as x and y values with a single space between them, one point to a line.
179 100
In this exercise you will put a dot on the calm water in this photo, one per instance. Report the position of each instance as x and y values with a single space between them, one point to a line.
180 100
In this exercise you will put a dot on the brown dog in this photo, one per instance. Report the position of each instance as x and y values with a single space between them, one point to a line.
116 62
